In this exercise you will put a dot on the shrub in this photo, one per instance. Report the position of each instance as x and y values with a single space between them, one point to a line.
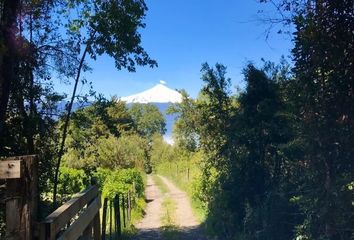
122 181
71 181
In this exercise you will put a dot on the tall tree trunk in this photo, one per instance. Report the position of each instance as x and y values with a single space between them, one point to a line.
32 106
7 54
66 124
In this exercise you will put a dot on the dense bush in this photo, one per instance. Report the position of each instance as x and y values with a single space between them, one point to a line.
72 181
122 181
111 182
261 166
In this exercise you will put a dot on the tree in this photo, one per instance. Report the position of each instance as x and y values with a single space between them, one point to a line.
244 139
108 27
9 11
32 52
185 132
321 97
323 91
91 127
263 129
128 151
215 111
148 119
27 125
161 152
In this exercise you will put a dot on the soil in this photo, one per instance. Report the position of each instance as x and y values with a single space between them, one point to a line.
150 227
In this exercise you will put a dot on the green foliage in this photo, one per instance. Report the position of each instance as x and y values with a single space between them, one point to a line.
323 98
114 30
45 41
277 157
184 129
111 183
125 152
148 119
161 152
239 177
103 135
122 181
109 135
71 181
101 174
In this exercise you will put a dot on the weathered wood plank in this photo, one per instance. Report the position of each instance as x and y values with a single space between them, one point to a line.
117 212
97 227
129 207
104 218
123 210
60 217
22 200
10 169
87 234
84 220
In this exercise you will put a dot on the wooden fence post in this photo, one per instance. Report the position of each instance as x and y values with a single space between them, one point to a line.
129 207
117 216
110 219
21 174
134 195
104 218
123 210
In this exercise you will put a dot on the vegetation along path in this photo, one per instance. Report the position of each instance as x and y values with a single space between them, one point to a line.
168 213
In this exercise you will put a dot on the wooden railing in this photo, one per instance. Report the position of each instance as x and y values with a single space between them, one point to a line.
21 196
79 217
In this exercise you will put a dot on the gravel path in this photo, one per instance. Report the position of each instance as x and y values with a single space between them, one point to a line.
149 228
184 214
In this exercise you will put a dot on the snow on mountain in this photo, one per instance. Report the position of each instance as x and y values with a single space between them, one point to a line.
160 93
162 97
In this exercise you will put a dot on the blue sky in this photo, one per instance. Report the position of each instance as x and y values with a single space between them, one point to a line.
183 34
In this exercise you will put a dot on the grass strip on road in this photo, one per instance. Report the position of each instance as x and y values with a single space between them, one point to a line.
160 184
169 229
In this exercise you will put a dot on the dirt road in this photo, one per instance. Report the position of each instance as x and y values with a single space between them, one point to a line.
150 227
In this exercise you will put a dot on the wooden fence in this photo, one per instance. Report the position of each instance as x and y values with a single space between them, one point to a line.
116 215
21 196
79 218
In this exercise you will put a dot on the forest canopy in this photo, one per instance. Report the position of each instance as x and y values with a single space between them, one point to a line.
272 161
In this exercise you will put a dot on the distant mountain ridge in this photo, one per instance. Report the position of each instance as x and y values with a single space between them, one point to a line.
160 93
162 97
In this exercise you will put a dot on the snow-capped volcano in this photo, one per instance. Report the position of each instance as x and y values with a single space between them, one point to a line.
160 93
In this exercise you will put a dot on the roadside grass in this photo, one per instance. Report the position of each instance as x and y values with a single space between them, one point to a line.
136 215
168 209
